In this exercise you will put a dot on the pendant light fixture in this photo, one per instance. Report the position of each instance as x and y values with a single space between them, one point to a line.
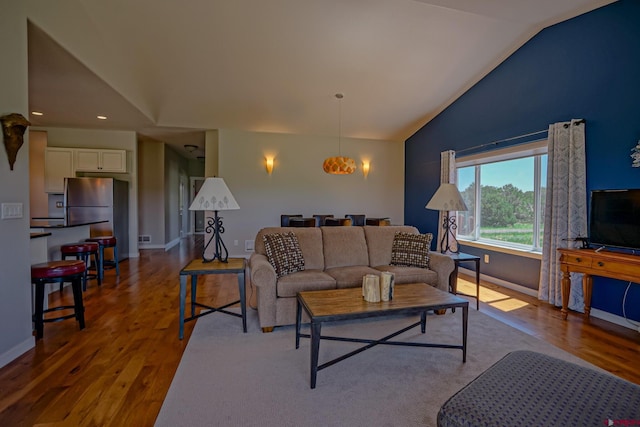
339 165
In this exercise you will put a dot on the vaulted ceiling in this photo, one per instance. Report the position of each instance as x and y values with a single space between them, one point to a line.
171 69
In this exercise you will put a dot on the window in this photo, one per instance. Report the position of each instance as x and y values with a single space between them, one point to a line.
505 192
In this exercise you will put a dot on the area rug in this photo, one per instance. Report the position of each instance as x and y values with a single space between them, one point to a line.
228 378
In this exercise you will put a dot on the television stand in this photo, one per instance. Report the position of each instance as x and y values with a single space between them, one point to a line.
592 262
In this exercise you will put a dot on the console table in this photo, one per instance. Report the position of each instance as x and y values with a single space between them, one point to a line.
592 263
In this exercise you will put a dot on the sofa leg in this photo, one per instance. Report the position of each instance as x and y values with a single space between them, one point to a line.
267 329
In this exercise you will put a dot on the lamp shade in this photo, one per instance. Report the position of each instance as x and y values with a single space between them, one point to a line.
447 198
339 165
214 195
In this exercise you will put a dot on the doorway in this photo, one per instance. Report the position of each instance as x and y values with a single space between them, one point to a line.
196 217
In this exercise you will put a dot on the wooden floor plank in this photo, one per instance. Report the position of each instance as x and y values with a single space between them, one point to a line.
118 370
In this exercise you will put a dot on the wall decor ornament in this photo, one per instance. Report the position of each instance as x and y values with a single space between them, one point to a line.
13 127
635 155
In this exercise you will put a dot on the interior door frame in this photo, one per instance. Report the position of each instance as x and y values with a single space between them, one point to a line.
195 182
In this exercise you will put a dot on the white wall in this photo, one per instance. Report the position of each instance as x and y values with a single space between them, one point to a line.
298 183
15 274
151 194
37 195
123 140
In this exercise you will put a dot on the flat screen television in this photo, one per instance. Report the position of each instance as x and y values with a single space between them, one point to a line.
615 218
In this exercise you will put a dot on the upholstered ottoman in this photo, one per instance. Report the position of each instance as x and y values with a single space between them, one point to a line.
526 388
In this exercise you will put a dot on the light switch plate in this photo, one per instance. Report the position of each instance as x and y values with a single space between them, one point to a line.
11 210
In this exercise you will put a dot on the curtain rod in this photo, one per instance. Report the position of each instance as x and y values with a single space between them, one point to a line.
514 137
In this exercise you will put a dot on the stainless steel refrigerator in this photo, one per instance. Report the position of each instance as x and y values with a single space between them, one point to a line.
97 199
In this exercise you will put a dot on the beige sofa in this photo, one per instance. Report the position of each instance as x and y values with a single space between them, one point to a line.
334 257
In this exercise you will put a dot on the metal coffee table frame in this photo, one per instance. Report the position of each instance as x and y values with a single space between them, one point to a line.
347 304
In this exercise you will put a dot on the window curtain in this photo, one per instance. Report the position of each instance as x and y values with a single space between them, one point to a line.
565 213
447 176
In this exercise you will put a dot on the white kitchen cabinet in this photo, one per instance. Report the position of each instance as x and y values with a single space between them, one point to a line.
58 165
93 160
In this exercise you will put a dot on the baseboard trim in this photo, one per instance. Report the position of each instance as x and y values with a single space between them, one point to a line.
17 351
171 244
500 282
141 247
599 314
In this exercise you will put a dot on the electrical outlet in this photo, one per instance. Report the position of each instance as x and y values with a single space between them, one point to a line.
486 258
59 205
249 245
235 243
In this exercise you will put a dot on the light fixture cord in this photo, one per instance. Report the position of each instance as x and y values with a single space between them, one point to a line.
339 96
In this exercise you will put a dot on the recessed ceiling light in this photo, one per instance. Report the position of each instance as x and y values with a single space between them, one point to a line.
36 113
102 117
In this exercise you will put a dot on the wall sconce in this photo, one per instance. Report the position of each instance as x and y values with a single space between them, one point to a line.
365 168
269 164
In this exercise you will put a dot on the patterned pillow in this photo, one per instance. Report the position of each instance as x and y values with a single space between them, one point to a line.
283 251
411 250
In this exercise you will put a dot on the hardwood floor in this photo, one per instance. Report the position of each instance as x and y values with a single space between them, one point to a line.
118 369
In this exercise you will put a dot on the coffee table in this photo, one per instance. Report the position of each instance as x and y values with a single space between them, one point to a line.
335 305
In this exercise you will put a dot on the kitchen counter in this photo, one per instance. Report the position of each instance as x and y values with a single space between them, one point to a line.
60 223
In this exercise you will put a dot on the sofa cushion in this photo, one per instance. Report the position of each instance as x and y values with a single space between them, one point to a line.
380 242
404 275
309 239
344 246
411 250
307 280
351 276
283 252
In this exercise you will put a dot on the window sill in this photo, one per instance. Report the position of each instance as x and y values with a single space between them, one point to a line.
502 249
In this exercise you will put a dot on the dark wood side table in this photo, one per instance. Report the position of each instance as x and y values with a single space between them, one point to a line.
453 278
198 267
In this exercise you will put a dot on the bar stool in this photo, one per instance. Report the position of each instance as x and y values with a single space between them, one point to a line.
82 251
53 272
106 242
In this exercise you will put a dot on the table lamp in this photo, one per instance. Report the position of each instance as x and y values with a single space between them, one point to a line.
447 198
214 195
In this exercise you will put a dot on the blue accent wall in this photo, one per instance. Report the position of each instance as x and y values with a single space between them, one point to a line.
587 67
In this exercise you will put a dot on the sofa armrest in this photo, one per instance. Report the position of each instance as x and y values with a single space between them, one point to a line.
444 266
263 276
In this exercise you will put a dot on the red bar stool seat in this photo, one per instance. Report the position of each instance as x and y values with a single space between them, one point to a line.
54 272
83 251
106 242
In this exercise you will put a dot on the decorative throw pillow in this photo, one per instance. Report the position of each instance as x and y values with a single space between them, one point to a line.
283 251
411 250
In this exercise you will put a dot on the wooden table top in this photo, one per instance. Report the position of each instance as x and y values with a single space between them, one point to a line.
198 266
349 303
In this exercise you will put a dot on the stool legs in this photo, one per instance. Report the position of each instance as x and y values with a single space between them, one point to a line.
115 259
101 262
38 317
77 300
78 307
85 257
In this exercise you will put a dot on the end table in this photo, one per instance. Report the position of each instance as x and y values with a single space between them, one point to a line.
198 267
453 279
